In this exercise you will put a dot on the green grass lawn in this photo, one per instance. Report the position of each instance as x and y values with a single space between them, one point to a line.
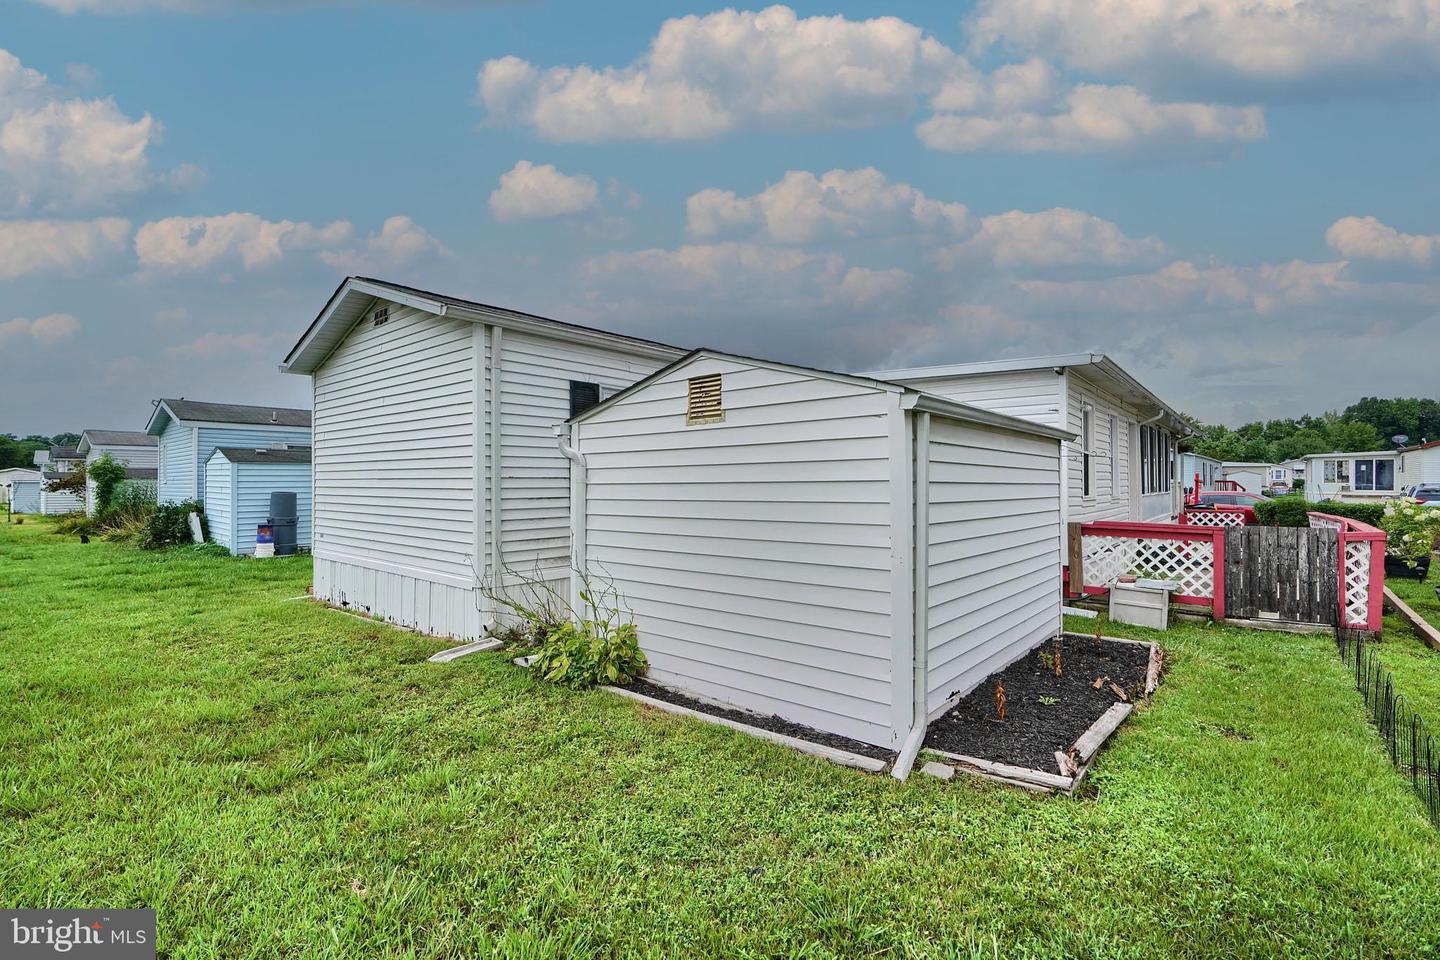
281 780
1415 666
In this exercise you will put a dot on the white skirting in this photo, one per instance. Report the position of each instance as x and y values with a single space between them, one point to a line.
439 609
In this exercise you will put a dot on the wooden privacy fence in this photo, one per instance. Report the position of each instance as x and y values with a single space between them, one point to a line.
1331 573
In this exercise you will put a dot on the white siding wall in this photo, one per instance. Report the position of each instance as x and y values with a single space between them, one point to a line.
25 496
244 435
220 503
1107 501
175 463
126 456
59 502
755 553
1418 466
395 472
535 489
994 552
254 482
1031 394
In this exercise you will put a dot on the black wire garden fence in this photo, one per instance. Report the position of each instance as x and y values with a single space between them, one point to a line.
1407 738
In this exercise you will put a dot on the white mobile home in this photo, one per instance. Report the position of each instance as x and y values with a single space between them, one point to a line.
434 461
1252 477
1419 464
847 553
1123 464
188 432
134 450
1193 465
1358 477
57 463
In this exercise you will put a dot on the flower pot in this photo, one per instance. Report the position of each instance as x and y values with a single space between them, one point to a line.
1396 567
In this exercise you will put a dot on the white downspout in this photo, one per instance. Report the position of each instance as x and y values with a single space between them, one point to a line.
920 717
567 435
497 577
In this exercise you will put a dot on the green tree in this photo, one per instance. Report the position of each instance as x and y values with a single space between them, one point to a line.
108 474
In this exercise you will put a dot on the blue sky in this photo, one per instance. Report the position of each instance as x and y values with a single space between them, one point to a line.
1236 199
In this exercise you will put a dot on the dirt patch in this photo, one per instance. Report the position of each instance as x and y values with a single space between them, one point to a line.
772 723
1043 712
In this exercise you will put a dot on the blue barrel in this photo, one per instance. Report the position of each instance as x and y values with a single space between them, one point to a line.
264 533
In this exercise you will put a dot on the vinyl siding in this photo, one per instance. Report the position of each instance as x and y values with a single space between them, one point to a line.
25 496
176 463
208 438
128 456
219 496
395 473
755 553
1108 501
535 485
1418 466
250 499
59 502
1033 395
994 553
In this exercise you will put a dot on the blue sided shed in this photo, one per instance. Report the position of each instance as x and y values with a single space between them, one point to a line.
25 496
190 430
238 484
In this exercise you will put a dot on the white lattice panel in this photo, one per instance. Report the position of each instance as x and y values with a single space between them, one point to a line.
1357 583
1190 563
1323 523
1215 518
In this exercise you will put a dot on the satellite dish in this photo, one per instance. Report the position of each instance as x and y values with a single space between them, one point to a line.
1400 439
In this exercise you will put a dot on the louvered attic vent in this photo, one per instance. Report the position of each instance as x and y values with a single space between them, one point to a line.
704 406
380 316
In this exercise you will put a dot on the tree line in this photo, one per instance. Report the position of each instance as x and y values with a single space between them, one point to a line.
20 451
1370 424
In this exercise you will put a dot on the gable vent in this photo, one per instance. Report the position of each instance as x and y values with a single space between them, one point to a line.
704 405
380 316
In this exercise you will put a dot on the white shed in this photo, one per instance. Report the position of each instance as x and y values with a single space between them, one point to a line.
238 484
841 551
1122 464
24 495
415 394
1252 477
10 475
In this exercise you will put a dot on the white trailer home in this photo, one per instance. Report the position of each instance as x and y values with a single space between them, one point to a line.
1123 465
132 449
1367 477
1418 464
435 467
58 463
847 553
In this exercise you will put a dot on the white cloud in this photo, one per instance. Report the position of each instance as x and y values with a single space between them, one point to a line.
705 75
36 246
48 330
399 241
1090 118
199 243
173 315
58 152
530 191
1220 43
1048 238
1366 238
802 208
214 346
862 286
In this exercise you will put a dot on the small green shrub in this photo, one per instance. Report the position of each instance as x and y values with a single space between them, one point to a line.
584 655
1286 511
108 474
1371 513
73 523
169 524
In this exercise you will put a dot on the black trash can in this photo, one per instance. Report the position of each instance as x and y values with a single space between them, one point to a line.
283 519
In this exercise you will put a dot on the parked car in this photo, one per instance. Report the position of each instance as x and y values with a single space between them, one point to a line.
1230 498
1426 493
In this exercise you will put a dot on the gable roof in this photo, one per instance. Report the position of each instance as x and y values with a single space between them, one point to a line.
910 397
201 411
1420 446
355 296
65 453
264 454
115 438
1094 366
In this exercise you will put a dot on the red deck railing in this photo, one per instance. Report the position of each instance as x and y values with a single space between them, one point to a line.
1192 555
1362 570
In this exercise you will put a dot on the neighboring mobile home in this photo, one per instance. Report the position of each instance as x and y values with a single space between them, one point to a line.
1418 464
1123 466
1193 465
1252 477
1356 477
10 475
238 484
132 449
846 553
56 464
414 393
190 430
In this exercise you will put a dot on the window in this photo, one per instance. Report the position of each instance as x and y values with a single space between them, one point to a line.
1087 447
1277 474
1337 471
1374 474
1114 456
583 396
704 401
1157 460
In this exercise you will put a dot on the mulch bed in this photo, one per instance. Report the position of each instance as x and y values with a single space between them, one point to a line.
772 723
1033 730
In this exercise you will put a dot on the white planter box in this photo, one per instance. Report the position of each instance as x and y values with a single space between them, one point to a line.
1143 606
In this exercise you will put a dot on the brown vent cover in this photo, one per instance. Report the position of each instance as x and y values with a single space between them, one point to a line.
705 400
